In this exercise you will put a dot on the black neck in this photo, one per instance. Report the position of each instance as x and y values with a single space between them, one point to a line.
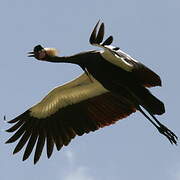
74 59
63 59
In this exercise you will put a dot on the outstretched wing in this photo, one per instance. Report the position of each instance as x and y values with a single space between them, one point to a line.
114 55
73 109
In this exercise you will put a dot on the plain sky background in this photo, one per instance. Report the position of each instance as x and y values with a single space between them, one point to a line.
149 30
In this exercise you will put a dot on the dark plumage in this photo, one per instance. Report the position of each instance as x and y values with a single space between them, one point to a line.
113 86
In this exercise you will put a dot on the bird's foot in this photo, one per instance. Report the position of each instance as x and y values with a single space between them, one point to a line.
168 133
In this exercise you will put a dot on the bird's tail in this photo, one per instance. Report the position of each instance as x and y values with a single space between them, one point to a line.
150 102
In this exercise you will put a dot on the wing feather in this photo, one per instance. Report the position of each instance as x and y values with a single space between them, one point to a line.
146 76
39 145
30 145
81 106
143 74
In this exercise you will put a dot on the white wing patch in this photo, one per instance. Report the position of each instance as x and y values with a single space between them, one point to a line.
71 93
116 59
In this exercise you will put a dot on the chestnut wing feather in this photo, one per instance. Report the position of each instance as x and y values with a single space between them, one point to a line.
146 76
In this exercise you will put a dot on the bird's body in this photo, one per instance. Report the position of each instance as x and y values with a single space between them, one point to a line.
113 86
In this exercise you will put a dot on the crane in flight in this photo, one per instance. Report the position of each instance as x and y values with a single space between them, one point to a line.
113 86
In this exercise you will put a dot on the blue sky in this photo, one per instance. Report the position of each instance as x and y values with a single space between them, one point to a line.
131 149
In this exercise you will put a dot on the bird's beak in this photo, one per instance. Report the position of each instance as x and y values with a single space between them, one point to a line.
31 54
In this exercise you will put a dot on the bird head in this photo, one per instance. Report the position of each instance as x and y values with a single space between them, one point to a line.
41 53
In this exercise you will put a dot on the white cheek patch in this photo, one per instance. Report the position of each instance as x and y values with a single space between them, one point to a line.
51 51
116 60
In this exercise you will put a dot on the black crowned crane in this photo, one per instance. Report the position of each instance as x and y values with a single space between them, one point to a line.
113 86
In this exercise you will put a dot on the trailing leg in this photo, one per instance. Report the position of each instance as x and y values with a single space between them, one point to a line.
160 127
